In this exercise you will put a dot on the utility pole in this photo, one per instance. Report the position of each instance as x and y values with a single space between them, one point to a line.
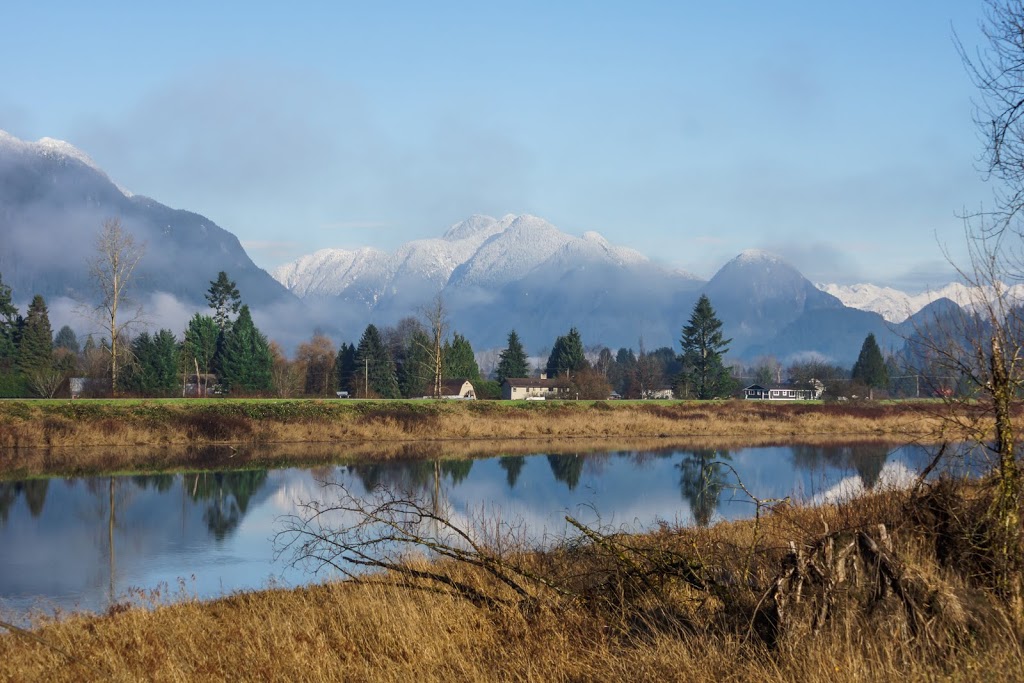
366 377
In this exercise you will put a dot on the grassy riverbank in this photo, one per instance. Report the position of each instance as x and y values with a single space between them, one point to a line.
85 423
822 594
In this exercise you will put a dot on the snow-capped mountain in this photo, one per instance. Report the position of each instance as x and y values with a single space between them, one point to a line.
479 252
518 271
53 200
896 306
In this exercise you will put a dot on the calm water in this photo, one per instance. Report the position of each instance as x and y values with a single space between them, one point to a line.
79 543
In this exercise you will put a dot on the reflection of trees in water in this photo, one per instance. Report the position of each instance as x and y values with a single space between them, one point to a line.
458 470
701 482
644 458
567 468
867 460
416 476
34 491
8 494
227 495
158 482
513 465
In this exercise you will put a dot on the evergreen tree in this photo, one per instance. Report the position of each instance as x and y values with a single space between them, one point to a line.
513 361
9 324
202 341
416 374
66 339
35 347
345 367
224 299
375 370
567 356
704 375
870 366
247 361
154 371
459 360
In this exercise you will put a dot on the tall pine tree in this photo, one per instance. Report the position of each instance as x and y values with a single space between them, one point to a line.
513 361
35 347
9 323
704 375
247 361
567 356
224 299
202 340
375 371
345 367
870 366
459 360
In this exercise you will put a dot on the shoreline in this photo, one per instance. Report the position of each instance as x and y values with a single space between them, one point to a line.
711 604
38 438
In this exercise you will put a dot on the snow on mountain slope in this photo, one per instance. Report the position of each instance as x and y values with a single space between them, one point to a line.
50 147
509 255
331 271
367 273
479 253
895 305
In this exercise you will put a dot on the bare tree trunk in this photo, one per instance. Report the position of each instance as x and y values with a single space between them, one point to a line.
437 321
111 268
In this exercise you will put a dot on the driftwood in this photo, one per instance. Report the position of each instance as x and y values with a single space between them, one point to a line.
814 577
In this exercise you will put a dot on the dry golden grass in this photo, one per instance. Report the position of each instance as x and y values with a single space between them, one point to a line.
113 424
380 631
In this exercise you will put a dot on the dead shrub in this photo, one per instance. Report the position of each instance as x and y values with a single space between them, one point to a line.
215 426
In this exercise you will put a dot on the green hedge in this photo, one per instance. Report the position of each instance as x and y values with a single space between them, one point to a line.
13 386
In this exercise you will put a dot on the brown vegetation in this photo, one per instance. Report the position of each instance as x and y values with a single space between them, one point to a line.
33 424
887 587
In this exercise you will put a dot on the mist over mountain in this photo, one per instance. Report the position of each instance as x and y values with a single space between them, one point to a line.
53 200
495 274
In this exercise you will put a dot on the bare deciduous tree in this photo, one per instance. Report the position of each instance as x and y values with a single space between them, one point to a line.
436 316
972 358
112 266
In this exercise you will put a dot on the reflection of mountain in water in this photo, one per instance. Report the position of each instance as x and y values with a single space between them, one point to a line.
702 478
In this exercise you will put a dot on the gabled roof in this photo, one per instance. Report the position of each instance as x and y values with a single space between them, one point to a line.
450 387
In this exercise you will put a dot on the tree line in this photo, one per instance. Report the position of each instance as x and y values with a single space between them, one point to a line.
223 352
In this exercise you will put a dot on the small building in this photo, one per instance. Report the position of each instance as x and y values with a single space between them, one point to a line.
458 389
663 393
88 387
783 392
200 386
533 388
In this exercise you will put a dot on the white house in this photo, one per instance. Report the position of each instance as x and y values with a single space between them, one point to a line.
530 388
784 392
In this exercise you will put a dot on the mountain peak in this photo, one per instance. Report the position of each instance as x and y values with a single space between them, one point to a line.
473 225
756 256
52 147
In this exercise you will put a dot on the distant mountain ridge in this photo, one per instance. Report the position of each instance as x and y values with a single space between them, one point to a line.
53 200
896 306
495 274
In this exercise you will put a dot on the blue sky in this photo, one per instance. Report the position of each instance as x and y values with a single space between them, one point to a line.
839 135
